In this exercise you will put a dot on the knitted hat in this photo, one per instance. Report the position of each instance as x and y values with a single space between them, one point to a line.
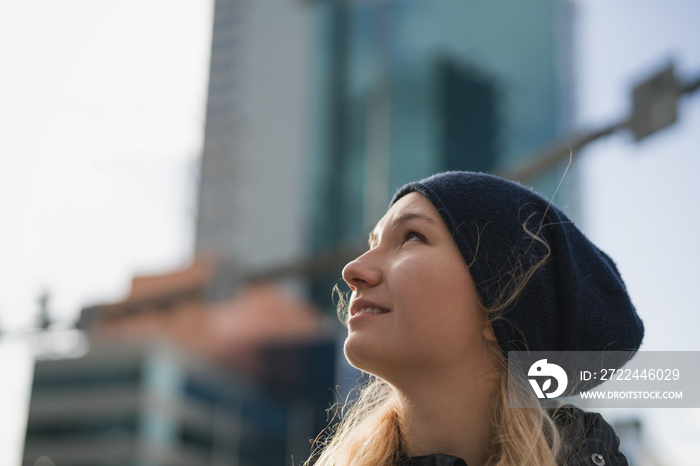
576 301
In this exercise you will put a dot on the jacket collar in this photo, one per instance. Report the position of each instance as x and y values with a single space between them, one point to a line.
436 460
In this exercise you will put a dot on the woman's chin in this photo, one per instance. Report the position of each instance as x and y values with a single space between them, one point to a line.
363 353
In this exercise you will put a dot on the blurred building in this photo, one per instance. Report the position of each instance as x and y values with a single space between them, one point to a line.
149 405
318 110
254 169
177 377
405 89
189 307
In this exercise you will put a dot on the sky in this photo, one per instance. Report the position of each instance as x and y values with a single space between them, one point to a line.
102 108
102 120
640 200
101 124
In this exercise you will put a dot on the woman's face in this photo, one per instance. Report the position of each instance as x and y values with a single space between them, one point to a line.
414 307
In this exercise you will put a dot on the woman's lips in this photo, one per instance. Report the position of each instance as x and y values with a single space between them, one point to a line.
361 309
365 306
370 310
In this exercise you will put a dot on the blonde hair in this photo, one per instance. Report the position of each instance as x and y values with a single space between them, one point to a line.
369 430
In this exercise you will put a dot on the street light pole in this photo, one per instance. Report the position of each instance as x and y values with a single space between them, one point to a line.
655 102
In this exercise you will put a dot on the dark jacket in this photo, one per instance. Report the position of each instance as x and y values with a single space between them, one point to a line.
591 442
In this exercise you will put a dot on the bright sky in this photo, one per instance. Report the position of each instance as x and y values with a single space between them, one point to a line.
101 124
101 119
101 116
641 200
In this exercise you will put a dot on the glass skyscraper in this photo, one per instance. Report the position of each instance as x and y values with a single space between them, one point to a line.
408 88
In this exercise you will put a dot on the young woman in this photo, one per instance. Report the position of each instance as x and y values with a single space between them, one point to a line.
463 268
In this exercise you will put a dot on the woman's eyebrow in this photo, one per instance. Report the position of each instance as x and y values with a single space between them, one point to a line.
403 217
400 218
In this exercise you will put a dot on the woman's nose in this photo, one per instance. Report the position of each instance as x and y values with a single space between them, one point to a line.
362 271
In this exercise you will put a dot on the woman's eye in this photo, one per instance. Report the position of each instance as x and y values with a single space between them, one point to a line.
413 236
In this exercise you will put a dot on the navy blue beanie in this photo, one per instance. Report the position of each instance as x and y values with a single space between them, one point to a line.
576 301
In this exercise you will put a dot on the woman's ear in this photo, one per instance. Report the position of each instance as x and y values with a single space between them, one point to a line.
488 332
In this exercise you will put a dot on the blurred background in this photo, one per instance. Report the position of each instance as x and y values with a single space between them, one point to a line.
183 180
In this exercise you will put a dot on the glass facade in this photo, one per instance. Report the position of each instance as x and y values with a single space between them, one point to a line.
408 88
154 406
